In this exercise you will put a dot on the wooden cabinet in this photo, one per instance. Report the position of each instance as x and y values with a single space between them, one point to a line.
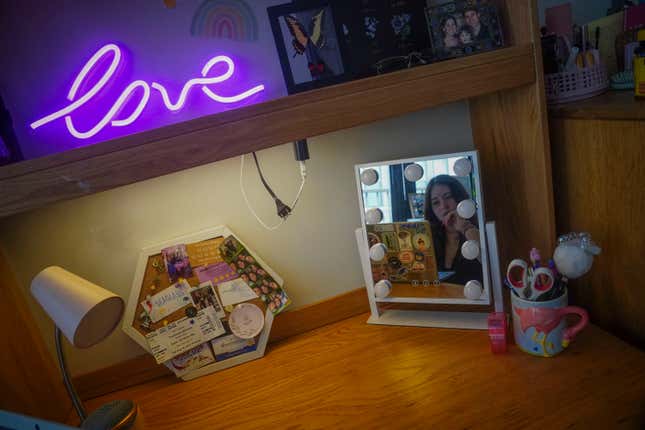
598 148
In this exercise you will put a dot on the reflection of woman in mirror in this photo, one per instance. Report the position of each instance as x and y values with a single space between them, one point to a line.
449 230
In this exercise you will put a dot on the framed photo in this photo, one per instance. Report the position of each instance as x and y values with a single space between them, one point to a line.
464 27
310 43
417 202
383 30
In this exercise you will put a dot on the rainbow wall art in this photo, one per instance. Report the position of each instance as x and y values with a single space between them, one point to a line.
225 19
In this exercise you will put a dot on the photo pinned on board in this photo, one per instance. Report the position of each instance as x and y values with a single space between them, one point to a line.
177 262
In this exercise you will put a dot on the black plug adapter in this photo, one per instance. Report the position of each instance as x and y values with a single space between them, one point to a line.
283 210
301 150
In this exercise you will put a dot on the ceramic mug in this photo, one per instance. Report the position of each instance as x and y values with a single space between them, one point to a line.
540 328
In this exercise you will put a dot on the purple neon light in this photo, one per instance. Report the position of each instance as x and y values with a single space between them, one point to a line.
140 87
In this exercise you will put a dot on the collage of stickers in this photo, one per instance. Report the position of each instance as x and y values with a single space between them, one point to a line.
205 302
410 256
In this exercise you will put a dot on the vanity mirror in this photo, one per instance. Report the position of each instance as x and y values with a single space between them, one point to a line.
423 234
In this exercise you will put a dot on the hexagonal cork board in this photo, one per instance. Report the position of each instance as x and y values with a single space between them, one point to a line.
184 293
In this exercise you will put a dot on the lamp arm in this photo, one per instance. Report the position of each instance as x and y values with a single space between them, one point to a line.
76 401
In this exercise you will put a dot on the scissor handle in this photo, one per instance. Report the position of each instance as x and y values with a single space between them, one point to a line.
518 263
538 284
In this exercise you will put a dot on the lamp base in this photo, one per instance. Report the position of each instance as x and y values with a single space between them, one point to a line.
116 415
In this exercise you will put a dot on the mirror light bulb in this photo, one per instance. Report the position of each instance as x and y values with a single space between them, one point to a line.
463 167
382 288
373 216
473 290
470 249
466 209
413 172
369 177
378 252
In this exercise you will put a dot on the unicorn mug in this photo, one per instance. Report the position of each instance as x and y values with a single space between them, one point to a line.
540 328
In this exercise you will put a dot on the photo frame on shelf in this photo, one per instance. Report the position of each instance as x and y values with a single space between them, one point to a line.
215 316
464 27
416 201
385 35
310 43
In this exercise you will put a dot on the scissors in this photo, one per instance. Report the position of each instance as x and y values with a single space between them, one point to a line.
532 282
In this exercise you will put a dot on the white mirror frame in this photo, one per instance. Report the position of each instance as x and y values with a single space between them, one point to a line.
366 266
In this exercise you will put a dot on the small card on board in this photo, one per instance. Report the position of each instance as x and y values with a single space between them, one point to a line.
182 335
167 301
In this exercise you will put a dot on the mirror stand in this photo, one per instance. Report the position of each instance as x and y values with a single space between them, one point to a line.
421 318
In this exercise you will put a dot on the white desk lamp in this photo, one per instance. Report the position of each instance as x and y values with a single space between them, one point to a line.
86 314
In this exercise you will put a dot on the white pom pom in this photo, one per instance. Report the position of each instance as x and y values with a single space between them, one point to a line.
572 261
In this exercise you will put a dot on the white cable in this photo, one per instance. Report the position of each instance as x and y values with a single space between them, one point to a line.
303 175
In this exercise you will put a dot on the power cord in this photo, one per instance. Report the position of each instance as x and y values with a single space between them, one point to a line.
283 211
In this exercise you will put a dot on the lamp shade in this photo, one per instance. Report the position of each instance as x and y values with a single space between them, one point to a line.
83 311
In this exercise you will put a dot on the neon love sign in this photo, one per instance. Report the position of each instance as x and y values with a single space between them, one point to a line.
110 118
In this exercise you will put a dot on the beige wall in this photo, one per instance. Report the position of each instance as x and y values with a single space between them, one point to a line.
99 236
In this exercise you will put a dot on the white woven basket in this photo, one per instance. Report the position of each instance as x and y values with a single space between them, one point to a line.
581 84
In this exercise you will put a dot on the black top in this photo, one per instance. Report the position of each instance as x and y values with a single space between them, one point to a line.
484 33
465 270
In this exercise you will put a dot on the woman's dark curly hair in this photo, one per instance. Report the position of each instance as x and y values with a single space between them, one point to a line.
459 193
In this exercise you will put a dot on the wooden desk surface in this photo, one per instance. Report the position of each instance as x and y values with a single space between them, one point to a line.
354 375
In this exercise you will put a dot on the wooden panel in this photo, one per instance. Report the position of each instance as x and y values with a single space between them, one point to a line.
352 375
111 164
131 372
518 19
510 130
610 105
30 380
599 181
144 368
319 314
510 134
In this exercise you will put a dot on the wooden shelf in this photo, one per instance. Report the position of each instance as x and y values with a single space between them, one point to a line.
100 167
618 105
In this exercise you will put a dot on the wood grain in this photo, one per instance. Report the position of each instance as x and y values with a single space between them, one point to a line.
138 157
519 20
138 370
291 323
352 375
599 181
510 134
510 130
621 105
441 291
30 380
